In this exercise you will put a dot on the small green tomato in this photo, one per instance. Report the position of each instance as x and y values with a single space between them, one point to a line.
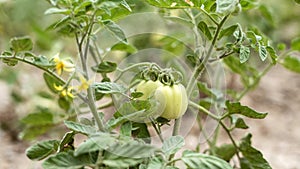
175 99
147 88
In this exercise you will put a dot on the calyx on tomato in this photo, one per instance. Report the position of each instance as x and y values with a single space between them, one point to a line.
175 99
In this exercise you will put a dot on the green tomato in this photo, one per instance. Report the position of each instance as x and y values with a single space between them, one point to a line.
174 98
147 88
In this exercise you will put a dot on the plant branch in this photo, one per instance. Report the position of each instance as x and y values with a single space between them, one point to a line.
83 57
231 138
204 110
157 131
122 71
199 68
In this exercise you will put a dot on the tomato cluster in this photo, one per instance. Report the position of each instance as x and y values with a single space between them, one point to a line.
168 91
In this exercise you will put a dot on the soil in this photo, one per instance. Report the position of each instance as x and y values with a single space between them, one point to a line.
277 136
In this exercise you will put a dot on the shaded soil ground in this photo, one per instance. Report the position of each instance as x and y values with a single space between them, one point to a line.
277 136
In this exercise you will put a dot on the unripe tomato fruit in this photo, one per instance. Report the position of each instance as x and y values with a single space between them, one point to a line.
175 99
172 100
147 88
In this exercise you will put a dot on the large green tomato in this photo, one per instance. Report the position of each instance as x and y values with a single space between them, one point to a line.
175 99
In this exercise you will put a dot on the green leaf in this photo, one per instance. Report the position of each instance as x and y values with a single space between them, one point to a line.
225 151
126 129
140 130
296 44
180 20
297 1
228 31
292 63
124 47
125 5
116 30
253 159
273 54
20 44
247 73
64 103
248 4
205 30
155 162
237 108
254 39
216 94
126 155
81 128
198 160
57 11
226 6
42 149
244 54
262 51
51 82
172 145
39 118
100 141
140 110
108 88
175 3
42 61
67 141
267 14
105 67
136 94
82 6
66 160
240 123
31 132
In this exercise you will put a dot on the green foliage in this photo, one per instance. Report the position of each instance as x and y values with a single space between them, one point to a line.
205 30
105 67
108 88
253 159
225 151
81 128
172 145
296 44
237 108
21 44
42 149
292 63
96 142
197 160
115 30
67 160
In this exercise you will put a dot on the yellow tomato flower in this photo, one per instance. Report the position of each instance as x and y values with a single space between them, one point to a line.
84 84
66 92
62 65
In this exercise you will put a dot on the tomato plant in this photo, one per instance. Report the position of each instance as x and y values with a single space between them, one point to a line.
150 95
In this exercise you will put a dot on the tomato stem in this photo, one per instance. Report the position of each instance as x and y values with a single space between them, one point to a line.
198 70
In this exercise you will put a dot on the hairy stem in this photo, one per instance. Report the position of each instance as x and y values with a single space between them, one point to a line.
231 138
83 58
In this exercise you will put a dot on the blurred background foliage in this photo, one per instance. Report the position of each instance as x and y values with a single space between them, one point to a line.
278 19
